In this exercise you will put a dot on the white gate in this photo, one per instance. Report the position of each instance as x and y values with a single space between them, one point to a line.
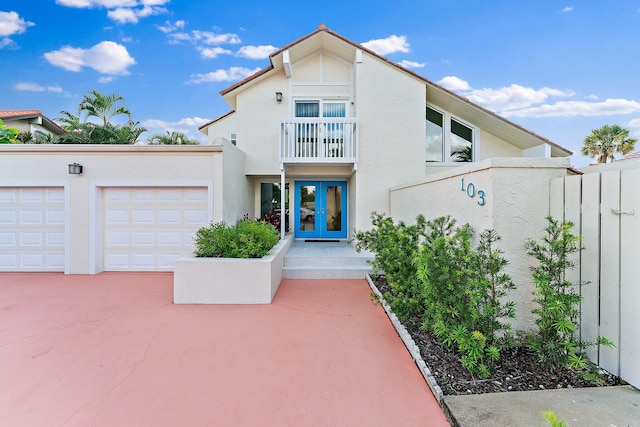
605 208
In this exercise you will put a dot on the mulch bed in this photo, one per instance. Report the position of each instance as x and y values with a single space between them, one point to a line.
518 368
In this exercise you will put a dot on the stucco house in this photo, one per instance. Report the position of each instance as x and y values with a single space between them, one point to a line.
338 126
31 121
327 133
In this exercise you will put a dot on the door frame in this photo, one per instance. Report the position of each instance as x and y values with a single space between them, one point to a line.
319 230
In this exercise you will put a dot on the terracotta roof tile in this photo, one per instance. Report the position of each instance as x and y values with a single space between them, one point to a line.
10 114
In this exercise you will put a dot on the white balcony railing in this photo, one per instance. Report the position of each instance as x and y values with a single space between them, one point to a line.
319 140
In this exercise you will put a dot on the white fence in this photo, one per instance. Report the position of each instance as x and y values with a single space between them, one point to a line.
605 208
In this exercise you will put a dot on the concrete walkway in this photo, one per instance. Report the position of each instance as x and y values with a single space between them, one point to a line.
580 407
112 350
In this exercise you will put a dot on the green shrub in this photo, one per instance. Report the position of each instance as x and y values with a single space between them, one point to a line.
247 239
8 135
463 291
436 275
395 247
557 313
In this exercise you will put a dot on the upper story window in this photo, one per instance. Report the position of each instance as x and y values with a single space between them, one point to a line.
448 139
321 109
233 138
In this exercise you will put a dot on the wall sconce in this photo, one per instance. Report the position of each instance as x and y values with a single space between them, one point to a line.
279 96
75 168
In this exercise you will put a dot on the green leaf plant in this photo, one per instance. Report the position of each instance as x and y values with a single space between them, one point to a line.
395 247
464 291
557 314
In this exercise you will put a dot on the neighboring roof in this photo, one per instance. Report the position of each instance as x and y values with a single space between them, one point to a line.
490 119
215 120
632 156
48 124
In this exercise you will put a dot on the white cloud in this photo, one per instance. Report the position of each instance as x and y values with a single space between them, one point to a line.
35 87
6 42
105 79
411 64
513 97
229 75
454 83
567 9
123 15
200 37
121 11
168 27
106 57
634 127
108 4
213 52
391 44
608 107
256 52
10 24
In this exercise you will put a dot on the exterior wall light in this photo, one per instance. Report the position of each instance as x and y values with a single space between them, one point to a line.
75 168
279 96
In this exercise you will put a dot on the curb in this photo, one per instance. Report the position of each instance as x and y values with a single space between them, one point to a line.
411 346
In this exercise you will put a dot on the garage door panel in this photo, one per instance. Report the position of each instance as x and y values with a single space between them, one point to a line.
144 216
195 216
32 229
146 229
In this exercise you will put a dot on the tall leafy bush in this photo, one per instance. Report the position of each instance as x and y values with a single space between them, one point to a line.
395 247
556 311
464 289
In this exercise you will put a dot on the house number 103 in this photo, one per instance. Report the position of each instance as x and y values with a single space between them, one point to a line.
470 189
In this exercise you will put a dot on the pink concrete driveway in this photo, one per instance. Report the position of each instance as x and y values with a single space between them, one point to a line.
112 350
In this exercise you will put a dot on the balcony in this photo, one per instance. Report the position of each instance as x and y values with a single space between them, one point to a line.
319 140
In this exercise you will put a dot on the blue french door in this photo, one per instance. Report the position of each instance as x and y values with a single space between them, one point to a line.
321 209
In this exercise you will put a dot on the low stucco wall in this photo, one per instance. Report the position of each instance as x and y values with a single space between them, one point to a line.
510 195
229 280
24 166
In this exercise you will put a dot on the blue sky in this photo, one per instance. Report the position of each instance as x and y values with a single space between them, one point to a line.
560 69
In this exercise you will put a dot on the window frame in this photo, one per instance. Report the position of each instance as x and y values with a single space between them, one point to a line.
447 138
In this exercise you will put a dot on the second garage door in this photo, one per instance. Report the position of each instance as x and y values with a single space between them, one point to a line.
146 229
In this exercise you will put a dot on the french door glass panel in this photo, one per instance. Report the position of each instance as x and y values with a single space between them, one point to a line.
321 209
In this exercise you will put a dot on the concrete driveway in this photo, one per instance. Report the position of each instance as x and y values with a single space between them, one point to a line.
112 350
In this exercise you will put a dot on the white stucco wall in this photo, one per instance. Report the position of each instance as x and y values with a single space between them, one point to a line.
517 201
108 166
492 146
236 187
392 135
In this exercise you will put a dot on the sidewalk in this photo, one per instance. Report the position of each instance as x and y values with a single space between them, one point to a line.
111 349
580 407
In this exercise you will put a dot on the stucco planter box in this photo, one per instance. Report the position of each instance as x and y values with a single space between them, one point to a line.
229 280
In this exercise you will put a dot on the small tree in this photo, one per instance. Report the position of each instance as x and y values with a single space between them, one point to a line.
603 143
557 313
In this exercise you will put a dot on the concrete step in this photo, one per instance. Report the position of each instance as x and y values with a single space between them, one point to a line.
339 272
325 260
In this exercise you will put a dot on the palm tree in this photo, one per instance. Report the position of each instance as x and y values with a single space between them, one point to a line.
462 153
172 138
604 142
103 107
69 122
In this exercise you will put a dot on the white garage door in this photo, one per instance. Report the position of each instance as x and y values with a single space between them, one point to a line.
146 229
32 229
